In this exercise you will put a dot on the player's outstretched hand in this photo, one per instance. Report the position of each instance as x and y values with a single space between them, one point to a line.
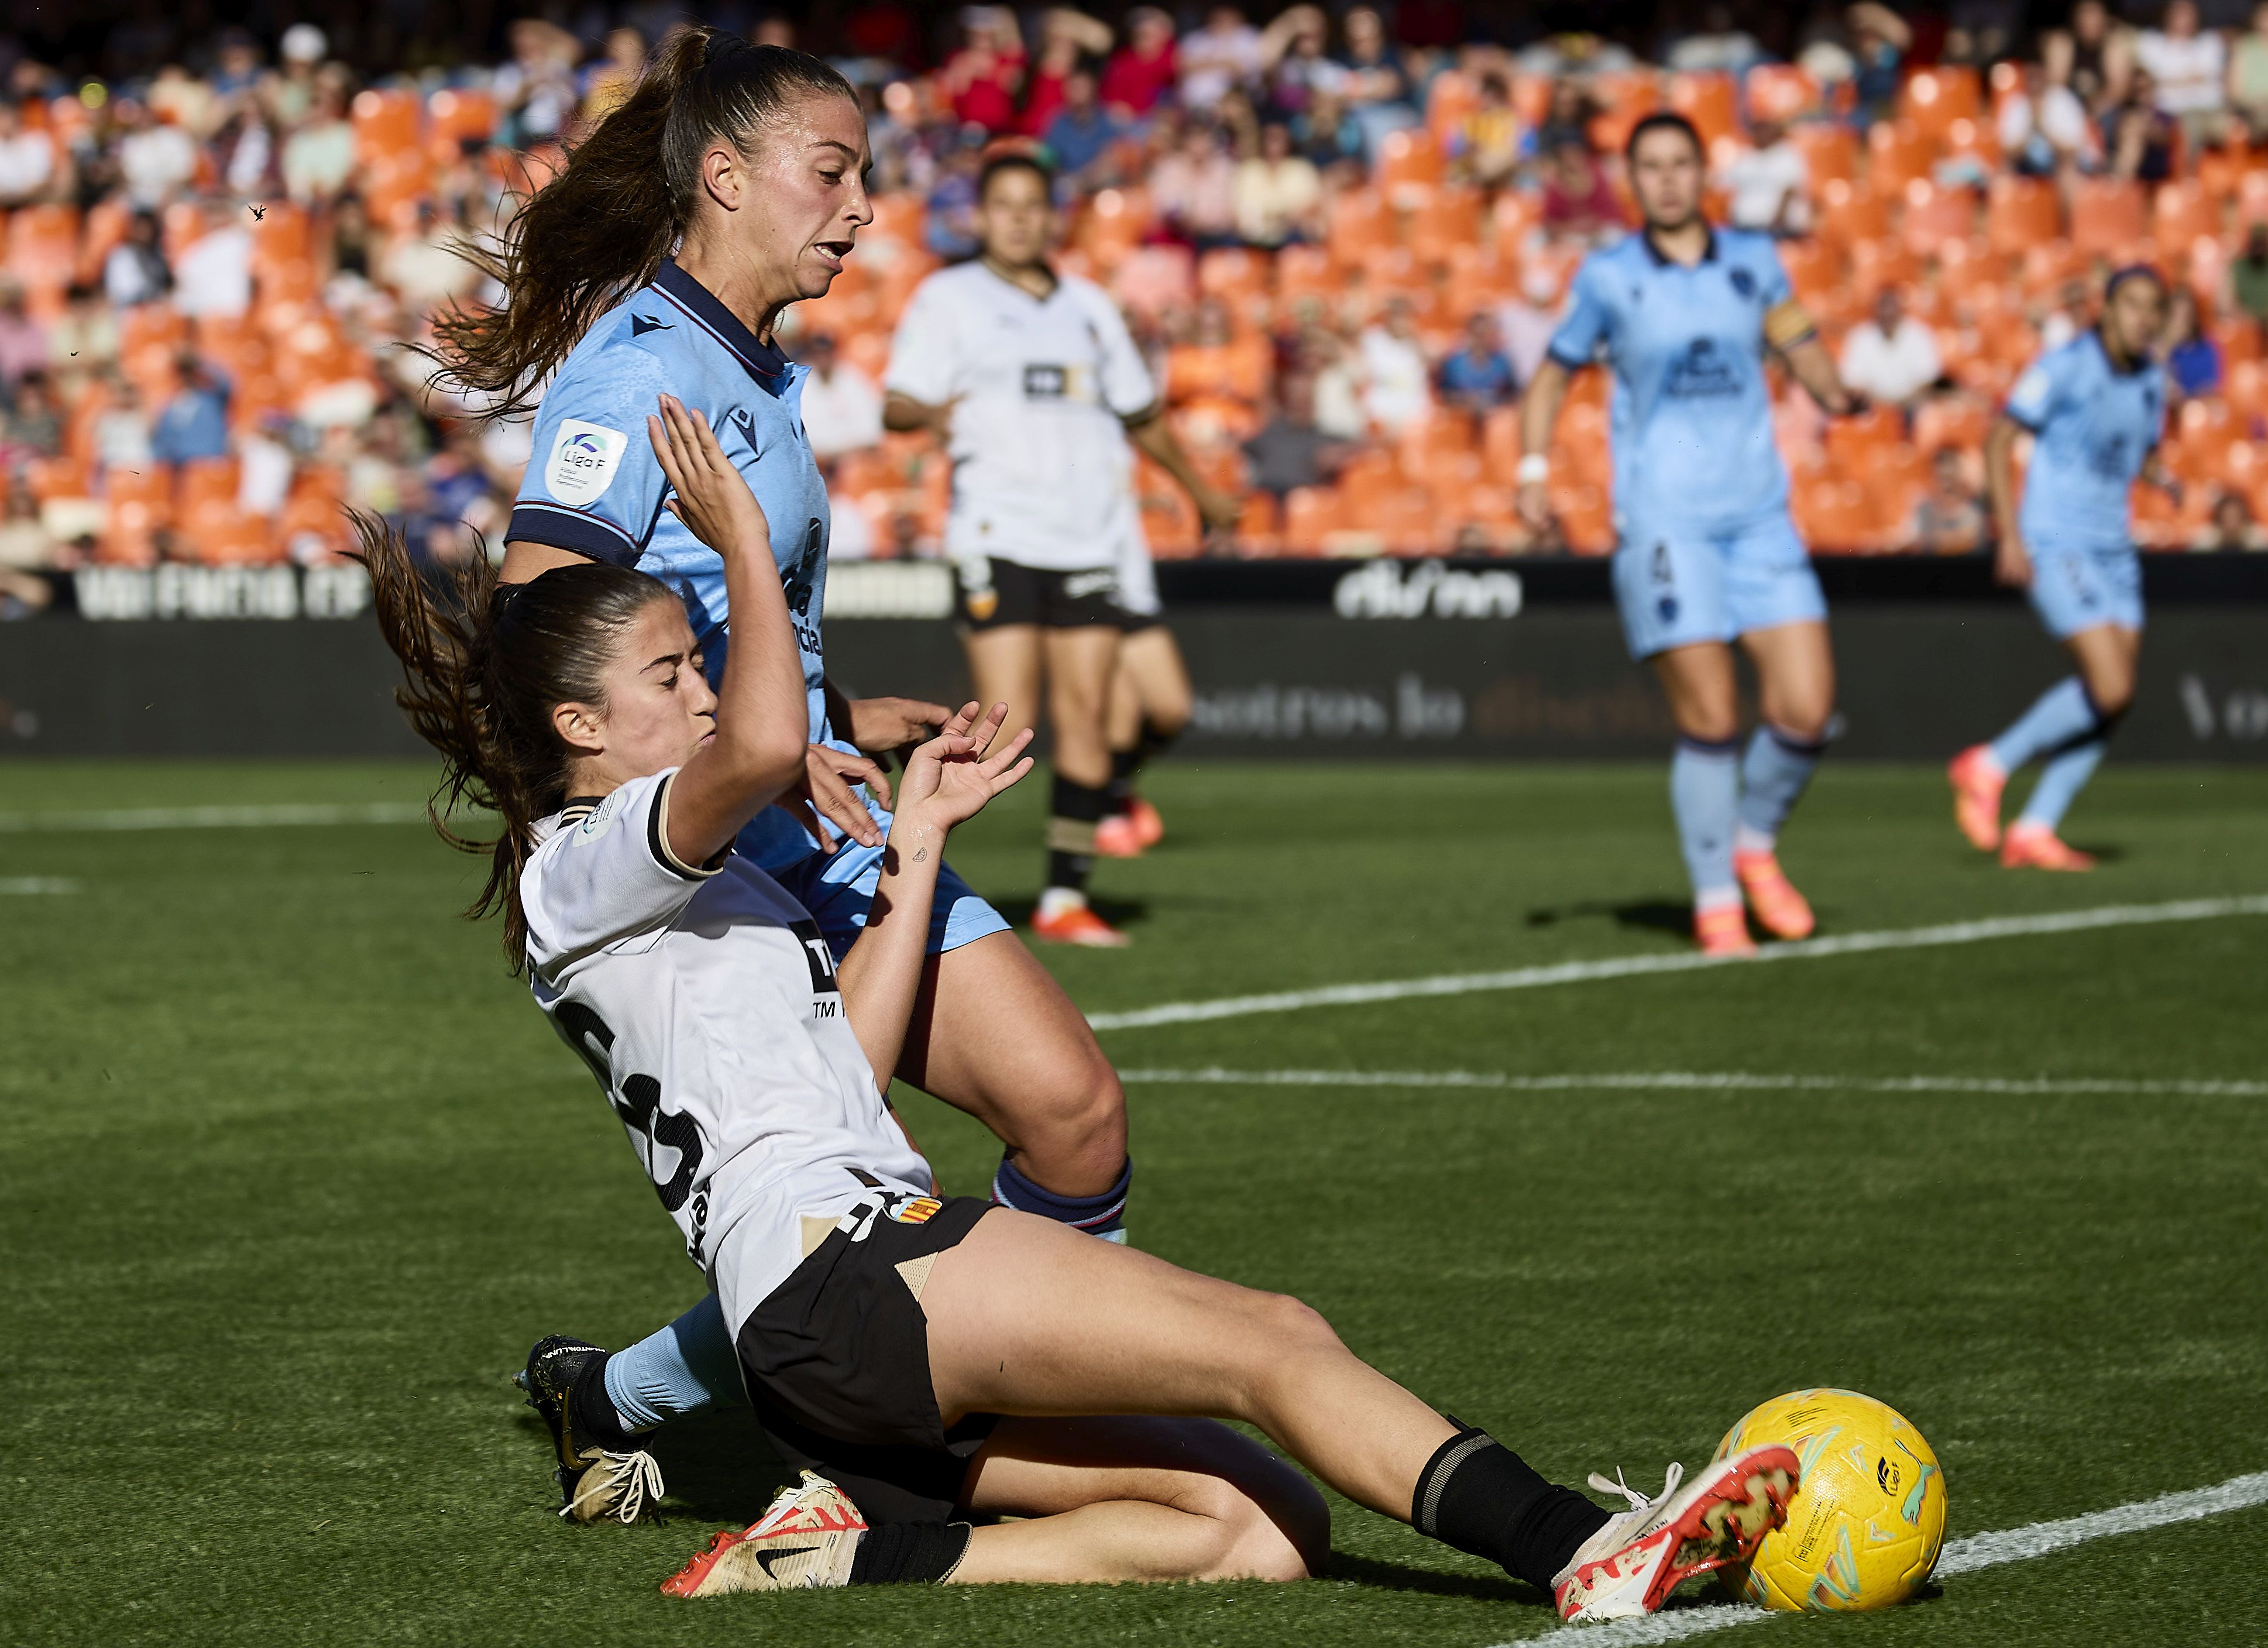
2012 563
949 779
712 499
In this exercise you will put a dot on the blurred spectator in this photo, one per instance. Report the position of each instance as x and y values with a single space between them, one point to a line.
1328 136
2193 358
1880 39
122 432
178 98
2188 66
1337 388
1083 131
1891 358
264 469
1223 54
2070 315
194 422
2248 75
607 86
1194 189
2044 127
27 548
33 427
2095 57
841 408
1478 376
1718 47
1526 321
247 157
213 277
290 94
135 271
2138 136
426 264
1487 144
352 239
27 160
83 343
1295 50
23 341
156 160
2231 527
1578 203
1141 72
982 79
1280 194
318 160
1378 88
236 69
1767 184
2248 276
1567 119
850 533
1396 387
535 91
1066 37
1949 520
1290 451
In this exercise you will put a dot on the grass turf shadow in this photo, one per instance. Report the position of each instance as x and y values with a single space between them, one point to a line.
1671 916
1386 1576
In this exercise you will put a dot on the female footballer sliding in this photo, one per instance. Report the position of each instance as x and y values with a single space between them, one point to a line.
730 185
932 1359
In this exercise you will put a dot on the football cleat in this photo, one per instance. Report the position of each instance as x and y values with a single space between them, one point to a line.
595 1483
1977 781
805 1541
1076 924
2036 847
1630 1566
1116 837
1778 906
1149 828
1722 930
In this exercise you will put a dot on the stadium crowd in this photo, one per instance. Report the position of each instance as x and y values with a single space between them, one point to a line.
1343 240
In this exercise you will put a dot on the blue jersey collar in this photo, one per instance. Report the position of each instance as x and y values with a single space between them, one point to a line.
1708 249
701 305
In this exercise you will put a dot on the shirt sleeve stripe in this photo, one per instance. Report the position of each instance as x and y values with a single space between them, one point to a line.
656 838
570 529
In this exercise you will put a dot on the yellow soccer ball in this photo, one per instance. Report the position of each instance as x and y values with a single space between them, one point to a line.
1865 1525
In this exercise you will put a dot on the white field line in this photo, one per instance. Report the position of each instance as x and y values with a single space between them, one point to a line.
34 884
216 817
1704 1081
1683 962
1964 1556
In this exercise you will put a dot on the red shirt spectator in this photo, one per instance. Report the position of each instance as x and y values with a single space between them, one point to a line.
983 76
1142 71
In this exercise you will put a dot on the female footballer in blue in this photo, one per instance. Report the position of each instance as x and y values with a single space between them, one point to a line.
2095 409
1684 314
730 185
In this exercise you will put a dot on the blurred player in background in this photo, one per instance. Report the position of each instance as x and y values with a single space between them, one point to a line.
1150 703
1032 383
1684 314
2096 408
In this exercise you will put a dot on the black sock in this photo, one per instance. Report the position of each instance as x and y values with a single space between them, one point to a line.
1078 808
1479 1496
1124 765
596 1419
1155 741
909 1553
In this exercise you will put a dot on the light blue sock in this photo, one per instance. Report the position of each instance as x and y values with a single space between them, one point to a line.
2062 715
688 1365
1773 774
2064 776
1704 792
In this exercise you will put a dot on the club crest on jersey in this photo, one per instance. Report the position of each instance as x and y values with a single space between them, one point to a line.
920 1211
583 459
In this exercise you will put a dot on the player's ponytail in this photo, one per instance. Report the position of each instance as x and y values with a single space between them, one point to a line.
483 665
600 228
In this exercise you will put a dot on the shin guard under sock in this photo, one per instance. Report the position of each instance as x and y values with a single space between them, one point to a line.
1479 1496
909 1553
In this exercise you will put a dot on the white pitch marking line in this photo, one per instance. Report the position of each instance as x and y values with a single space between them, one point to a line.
216 817
1962 1555
33 884
1707 1081
1683 962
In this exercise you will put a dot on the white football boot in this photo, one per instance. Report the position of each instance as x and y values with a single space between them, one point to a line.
805 1541
1630 1566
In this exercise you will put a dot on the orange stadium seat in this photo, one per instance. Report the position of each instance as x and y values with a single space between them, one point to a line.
2107 217
1897 152
43 246
1851 212
2021 212
1934 98
1304 272
1311 515
1235 274
1830 150
1625 98
1357 223
1448 222
2220 172
1449 98
1875 264
2252 196
1935 215
1586 515
2183 210
1780 92
1408 167
1153 278
1951 421
460 114
1710 101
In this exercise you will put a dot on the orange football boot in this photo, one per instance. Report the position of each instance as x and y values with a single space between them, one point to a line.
1778 906
1149 828
1076 924
2036 847
1116 837
1977 781
1723 931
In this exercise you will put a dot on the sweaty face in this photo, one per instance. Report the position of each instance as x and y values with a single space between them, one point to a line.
1666 176
808 196
659 708
1014 219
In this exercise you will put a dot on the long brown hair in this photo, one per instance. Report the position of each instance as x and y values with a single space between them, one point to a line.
626 196
483 665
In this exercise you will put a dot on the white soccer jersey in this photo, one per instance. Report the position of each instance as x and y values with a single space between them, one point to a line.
704 1002
1041 473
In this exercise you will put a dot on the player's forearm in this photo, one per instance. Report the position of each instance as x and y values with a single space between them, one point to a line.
2001 479
757 751
1815 369
881 977
1539 408
1155 438
903 414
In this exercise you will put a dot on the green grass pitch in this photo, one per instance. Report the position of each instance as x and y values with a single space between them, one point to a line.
291 1174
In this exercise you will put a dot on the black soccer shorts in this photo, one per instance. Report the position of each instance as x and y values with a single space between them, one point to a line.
995 593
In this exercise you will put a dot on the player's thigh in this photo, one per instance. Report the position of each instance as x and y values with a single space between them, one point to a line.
1028 1317
1151 659
995 1035
1698 681
2108 655
1045 1466
1006 666
1080 662
1795 675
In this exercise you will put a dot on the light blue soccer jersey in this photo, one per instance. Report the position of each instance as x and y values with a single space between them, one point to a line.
593 485
2093 427
1693 431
